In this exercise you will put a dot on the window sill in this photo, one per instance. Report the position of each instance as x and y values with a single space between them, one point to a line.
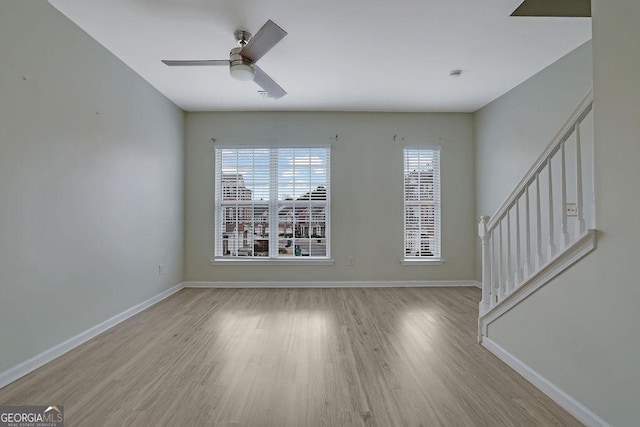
271 261
422 262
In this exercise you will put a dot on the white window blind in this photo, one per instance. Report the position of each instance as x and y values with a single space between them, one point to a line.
422 230
272 202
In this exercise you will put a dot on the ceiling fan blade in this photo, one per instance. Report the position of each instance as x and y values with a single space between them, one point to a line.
565 8
266 38
272 88
204 62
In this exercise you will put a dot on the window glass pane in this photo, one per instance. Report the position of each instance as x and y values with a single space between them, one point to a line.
261 247
301 227
301 190
318 247
242 227
261 222
301 171
302 247
318 222
244 174
286 220
285 247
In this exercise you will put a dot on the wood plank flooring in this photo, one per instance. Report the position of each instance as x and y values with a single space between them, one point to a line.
292 357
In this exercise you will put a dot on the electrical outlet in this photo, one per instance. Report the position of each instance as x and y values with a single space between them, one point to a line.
572 209
160 269
352 261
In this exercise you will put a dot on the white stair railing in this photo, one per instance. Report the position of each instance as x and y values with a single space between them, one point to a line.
531 228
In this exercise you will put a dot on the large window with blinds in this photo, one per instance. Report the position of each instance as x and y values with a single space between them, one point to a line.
272 203
422 230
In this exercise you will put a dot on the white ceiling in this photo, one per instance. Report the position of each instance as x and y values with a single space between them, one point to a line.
340 55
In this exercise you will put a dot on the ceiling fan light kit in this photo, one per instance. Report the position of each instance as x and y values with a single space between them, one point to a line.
243 72
242 60
240 67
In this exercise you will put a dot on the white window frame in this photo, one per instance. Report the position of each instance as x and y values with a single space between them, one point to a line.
273 205
411 255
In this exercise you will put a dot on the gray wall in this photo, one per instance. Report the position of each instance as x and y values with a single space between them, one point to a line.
91 173
367 182
513 130
581 331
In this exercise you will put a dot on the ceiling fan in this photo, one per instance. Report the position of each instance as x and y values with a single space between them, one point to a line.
242 60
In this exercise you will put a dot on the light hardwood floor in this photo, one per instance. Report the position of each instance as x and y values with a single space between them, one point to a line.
292 357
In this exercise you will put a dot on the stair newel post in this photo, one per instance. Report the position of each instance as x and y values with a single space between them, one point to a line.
485 236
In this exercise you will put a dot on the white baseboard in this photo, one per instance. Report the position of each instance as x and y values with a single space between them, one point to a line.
338 284
22 369
571 405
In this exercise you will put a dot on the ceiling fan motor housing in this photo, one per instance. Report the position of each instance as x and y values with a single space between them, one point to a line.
241 68
242 37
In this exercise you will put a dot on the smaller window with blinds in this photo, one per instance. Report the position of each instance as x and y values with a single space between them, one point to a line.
422 230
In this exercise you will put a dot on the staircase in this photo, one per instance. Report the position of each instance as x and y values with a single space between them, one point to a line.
545 225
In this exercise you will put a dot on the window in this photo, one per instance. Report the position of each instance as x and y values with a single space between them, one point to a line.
272 203
421 203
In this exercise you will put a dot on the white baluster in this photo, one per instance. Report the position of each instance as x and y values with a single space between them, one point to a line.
527 238
501 279
552 243
508 282
563 204
486 265
540 254
580 224
517 276
495 284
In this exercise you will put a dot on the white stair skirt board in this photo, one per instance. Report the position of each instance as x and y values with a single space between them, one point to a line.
22 369
347 284
551 269
571 405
